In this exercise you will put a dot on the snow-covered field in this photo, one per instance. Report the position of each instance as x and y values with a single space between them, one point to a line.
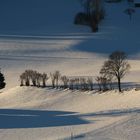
33 113
57 44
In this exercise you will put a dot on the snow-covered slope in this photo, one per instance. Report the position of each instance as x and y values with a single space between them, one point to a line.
38 17
41 35
58 44
62 113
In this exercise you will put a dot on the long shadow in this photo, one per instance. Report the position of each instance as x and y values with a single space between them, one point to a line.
36 58
112 113
45 37
106 46
14 118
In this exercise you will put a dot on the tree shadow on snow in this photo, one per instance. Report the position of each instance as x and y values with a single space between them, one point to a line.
14 118
106 46
113 113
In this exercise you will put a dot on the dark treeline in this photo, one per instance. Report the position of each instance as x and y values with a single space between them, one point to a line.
34 78
57 80
113 71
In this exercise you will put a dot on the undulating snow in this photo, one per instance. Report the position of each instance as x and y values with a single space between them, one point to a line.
47 40
33 113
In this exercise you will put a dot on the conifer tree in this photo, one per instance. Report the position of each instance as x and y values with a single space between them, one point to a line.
2 81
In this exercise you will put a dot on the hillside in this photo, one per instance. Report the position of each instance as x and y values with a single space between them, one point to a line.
40 35
48 111
61 45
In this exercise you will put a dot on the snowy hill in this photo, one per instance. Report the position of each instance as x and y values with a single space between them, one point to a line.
48 111
61 45
40 35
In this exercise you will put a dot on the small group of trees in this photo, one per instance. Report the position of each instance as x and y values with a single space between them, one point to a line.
34 78
79 83
92 15
104 83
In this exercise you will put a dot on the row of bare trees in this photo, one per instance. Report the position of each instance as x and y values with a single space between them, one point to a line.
34 78
79 83
114 69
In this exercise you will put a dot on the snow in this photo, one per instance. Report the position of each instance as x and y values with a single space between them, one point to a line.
34 113
61 45
50 44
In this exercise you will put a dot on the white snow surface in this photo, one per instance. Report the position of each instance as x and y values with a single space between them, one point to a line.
74 50
28 113
50 114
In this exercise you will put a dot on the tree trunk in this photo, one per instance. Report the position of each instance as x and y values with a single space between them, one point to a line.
44 83
119 84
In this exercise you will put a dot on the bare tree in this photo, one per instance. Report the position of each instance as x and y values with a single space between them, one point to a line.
87 6
94 11
65 81
44 79
33 76
90 83
27 77
38 79
55 78
102 83
99 82
52 79
77 81
116 66
71 83
84 85
106 76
